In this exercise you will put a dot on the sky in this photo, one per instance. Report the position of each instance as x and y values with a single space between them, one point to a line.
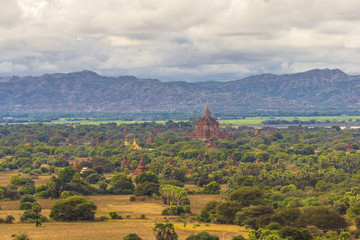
183 40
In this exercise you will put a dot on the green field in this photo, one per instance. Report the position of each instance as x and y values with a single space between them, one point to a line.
246 121
259 120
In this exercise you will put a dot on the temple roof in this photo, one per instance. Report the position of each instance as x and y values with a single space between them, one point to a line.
206 113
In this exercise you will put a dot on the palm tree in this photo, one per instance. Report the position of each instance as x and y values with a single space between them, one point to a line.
165 231
21 236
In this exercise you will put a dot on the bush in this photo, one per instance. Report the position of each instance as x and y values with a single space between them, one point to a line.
73 208
113 215
173 183
101 219
132 236
202 236
238 237
132 198
173 210
9 219
29 216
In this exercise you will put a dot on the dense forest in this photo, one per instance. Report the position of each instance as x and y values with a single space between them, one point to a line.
289 183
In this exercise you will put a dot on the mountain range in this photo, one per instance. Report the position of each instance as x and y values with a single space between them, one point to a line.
87 91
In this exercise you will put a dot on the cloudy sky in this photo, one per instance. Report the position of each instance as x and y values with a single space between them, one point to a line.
179 39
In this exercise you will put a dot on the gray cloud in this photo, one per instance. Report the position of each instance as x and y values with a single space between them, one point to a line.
178 39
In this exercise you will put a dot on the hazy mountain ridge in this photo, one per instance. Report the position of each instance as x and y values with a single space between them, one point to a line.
88 91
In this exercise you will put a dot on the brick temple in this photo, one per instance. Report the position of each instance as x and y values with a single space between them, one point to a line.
207 127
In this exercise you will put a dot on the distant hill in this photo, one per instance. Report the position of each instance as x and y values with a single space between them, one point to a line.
87 91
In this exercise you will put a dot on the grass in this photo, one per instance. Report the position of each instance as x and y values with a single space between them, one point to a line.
5 177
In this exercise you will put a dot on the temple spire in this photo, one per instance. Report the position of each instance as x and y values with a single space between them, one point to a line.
206 113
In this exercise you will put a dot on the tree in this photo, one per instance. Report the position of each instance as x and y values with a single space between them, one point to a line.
202 236
254 216
295 234
354 210
227 210
324 218
165 231
132 236
173 194
17 180
73 208
66 174
36 208
146 177
121 184
212 188
147 189
247 196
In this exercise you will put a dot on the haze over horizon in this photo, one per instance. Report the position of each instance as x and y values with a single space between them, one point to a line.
179 40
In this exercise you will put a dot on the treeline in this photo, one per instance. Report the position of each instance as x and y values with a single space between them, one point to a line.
16 117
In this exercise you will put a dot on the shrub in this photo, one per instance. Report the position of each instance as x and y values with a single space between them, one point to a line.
238 237
113 215
27 198
202 236
101 219
29 216
9 219
132 198
73 208
132 236
173 210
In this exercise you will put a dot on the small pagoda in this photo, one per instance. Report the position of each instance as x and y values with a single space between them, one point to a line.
76 165
170 162
349 147
141 168
126 143
124 163
207 158
134 146
199 157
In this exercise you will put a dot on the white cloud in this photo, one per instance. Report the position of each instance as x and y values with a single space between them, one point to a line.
178 39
